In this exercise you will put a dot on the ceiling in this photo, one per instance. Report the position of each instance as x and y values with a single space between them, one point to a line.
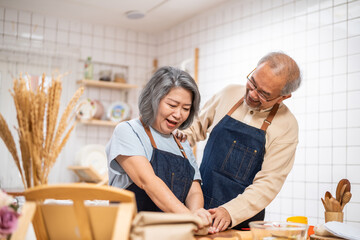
160 15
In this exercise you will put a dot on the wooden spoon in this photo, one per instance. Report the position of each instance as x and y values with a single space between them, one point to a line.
346 198
328 194
335 205
340 185
328 204
342 191
325 206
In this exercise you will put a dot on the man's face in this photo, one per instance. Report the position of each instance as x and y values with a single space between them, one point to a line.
263 88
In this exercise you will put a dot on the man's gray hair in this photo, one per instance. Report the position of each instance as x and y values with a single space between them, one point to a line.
160 84
284 65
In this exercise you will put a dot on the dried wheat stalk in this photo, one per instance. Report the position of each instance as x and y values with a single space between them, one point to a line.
38 110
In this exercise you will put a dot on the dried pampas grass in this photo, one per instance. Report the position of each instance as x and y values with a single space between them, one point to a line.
41 137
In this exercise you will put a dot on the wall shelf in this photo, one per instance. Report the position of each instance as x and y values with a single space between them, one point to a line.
104 84
95 122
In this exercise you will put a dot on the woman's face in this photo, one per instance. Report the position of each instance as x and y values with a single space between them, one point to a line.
173 110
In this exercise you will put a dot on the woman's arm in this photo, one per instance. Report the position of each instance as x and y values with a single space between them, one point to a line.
195 199
195 202
142 174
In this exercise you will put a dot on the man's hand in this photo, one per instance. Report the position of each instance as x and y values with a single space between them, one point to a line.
180 135
221 219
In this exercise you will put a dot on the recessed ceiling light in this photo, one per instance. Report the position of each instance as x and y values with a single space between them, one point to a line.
134 14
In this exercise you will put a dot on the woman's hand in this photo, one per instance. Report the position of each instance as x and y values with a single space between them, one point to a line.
222 219
180 135
204 215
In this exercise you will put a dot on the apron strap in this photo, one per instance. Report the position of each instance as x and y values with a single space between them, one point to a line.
148 132
180 146
235 106
268 119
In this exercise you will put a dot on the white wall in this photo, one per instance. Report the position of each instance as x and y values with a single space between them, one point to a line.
322 36
34 43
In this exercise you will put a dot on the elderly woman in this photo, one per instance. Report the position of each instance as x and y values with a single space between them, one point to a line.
146 158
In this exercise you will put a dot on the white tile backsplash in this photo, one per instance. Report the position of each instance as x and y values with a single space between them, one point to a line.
11 15
339 101
62 36
339 155
353 116
340 48
353 100
353 63
24 30
325 138
2 13
63 24
353 136
37 20
353 27
25 17
340 83
51 22
339 137
339 119
353 173
325 156
354 9
340 65
340 13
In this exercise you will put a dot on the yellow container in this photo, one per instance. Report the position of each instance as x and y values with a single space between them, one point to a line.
298 219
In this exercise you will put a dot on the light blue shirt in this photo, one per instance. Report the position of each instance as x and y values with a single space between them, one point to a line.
130 139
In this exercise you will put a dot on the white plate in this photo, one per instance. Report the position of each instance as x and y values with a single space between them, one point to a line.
93 155
343 230
118 111
87 109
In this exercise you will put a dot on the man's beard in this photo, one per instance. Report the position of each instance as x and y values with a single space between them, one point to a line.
245 100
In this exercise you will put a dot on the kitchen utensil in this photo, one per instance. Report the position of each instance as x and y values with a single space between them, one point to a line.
340 185
328 194
335 205
328 204
348 185
324 203
342 191
346 198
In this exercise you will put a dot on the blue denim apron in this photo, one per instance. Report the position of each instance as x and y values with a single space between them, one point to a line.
232 157
176 172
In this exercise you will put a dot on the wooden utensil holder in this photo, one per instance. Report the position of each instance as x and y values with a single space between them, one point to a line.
334 216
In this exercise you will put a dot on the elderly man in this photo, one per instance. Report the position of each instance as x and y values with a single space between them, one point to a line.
252 142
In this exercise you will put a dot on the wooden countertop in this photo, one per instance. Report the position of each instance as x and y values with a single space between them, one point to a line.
227 235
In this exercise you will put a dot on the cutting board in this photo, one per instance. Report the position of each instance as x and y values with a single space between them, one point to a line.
317 237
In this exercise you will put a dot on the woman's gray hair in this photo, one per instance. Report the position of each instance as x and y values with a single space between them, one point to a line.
160 84
284 65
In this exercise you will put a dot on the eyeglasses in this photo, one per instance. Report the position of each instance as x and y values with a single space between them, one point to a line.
253 87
